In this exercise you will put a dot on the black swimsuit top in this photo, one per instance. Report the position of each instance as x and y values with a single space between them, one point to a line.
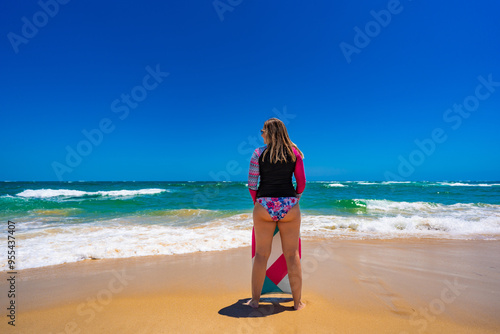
276 179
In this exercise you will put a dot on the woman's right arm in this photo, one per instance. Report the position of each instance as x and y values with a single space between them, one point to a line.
300 175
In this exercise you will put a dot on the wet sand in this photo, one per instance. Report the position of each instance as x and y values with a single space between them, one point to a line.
350 286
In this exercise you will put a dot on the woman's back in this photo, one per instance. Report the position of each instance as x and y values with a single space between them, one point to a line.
276 178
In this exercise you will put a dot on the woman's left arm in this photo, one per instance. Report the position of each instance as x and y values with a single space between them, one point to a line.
253 175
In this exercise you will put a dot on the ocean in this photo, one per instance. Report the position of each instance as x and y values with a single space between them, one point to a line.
60 222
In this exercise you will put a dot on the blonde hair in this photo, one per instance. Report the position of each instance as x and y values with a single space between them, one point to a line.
278 142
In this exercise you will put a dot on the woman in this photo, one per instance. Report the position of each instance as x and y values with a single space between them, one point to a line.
276 202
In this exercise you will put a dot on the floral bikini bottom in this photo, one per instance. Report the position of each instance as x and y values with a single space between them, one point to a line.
277 207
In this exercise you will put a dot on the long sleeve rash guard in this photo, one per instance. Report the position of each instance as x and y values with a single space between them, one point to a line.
276 179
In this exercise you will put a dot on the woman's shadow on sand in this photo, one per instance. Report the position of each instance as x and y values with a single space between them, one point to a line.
268 306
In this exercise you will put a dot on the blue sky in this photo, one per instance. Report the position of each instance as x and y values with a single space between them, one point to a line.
356 115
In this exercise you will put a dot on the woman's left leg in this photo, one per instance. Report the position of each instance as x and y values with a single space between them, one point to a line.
264 228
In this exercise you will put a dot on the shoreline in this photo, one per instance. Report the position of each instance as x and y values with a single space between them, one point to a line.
378 286
373 237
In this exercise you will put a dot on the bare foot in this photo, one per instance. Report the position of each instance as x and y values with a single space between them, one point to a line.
252 303
300 306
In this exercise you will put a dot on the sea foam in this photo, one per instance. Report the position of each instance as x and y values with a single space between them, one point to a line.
127 237
460 184
49 193
331 185
44 243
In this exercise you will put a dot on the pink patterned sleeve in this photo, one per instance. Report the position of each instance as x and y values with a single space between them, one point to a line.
253 174
300 175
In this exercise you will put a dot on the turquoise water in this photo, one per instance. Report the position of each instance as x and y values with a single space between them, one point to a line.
59 222
320 197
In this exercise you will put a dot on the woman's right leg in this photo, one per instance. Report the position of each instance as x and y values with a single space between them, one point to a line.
290 233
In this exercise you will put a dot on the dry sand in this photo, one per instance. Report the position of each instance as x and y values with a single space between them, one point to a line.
378 286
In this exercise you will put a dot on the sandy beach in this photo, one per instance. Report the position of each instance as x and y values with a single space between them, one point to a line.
350 286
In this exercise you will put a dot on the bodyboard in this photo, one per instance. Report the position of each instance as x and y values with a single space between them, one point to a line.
276 280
